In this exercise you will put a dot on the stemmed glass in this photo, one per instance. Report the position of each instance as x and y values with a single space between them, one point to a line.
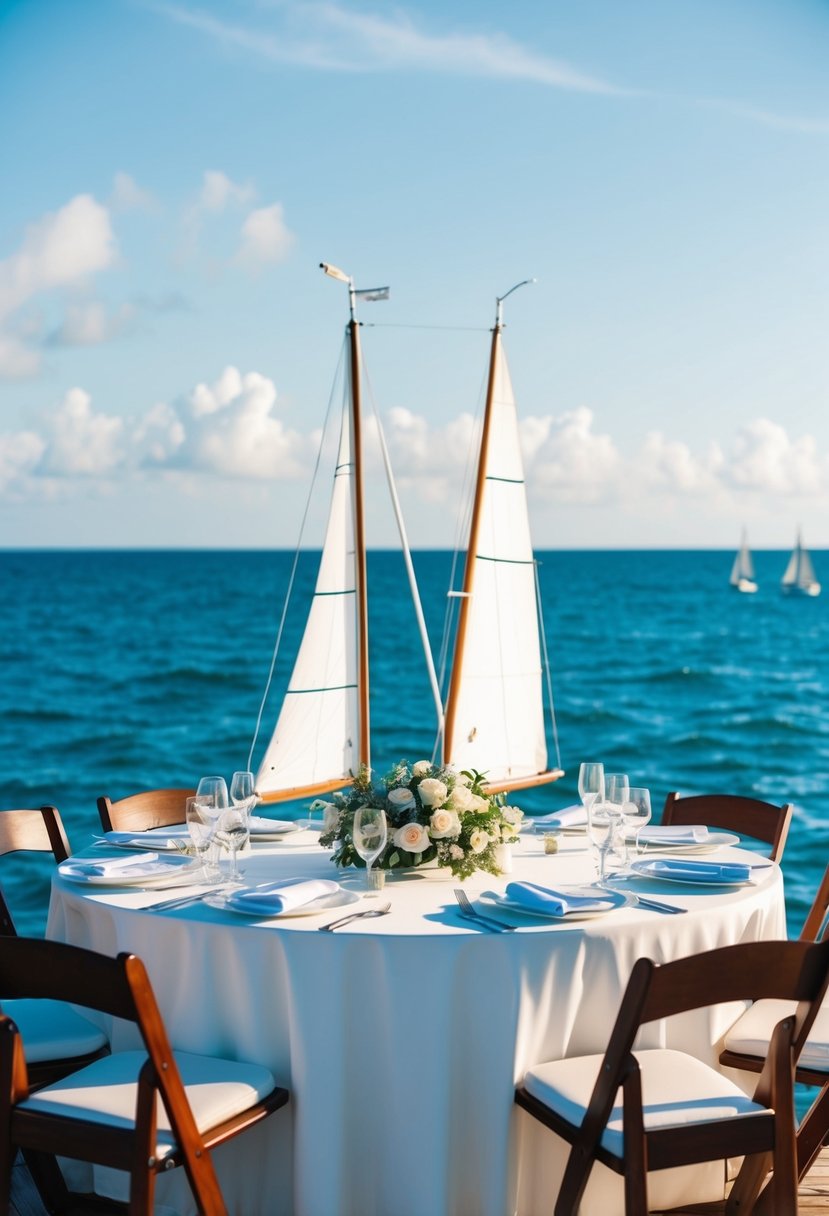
200 816
591 784
242 788
369 834
234 832
604 821
212 795
637 811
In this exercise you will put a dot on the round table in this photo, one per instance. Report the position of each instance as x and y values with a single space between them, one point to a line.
401 1038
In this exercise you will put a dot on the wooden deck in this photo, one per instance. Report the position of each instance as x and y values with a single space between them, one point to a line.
813 1200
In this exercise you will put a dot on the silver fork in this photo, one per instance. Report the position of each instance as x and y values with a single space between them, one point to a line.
345 920
470 912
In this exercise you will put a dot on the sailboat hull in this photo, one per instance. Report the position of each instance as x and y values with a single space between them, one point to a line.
810 590
745 585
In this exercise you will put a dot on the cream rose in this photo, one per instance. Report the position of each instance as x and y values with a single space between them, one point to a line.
478 840
331 817
444 823
511 814
412 837
421 768
400 798
479 805
432 792
461 798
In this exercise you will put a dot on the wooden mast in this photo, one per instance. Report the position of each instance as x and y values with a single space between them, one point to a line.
364 747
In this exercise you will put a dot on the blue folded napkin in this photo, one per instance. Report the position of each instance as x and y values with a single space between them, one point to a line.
551 902
700 871
567 817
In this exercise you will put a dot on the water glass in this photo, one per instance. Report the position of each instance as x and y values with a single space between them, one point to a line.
637 811
604 825
234 833
200 816
369 834
591 783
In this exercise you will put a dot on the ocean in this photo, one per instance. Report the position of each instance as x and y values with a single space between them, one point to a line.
124 671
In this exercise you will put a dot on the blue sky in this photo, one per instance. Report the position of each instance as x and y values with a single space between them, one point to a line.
174 173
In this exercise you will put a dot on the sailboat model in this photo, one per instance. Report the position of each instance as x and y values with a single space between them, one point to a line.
799 578
322 735
742 572
494 718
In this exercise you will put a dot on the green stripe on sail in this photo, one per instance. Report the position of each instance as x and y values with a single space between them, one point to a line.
345 591
332 688
511 481
507 561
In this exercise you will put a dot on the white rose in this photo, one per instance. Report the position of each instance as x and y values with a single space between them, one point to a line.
421 768
511 814
508 833
478 840
412 837
444 823
400 798
331 818
462 779
432 792
479 805
461 798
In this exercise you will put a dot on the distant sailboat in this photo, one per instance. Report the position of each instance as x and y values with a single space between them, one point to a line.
742 572
494 719
799 578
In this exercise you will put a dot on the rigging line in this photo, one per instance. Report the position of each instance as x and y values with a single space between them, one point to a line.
547 673
295 562
467 329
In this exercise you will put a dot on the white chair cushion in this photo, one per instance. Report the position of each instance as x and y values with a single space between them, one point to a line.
751 1033
53 1030
105 1092
677 1089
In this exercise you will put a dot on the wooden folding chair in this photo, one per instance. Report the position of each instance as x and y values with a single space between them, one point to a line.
140 812
676 1110
746 1045
58 1039
138 1111
749 816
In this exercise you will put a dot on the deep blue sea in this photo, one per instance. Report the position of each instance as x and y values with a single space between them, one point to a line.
124 671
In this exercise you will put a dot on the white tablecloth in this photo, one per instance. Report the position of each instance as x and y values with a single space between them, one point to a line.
401 1038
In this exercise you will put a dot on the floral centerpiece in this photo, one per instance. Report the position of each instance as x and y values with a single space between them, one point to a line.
434 814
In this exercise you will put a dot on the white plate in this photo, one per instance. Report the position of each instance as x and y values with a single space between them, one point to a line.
650 869
140 875
612 900
336 899
262 828
714 840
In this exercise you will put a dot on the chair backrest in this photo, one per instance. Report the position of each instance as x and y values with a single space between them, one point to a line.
139 812
39 969
748 816
37 830
783 970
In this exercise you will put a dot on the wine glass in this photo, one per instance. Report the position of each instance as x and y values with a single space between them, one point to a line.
369 834
200 816
234 832
637 811
215 787
591 783
616 786
242 788
604 819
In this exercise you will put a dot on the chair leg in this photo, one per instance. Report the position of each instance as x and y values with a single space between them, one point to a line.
747 1185
812 1133
48 1179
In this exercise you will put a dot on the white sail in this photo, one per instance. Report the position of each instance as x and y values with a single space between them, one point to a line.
799 575
314 745
495 716
742 572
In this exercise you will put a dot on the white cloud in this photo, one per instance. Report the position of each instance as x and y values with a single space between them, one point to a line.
81 443
90 323
567 460
17 361
670 464
218 191
328 37
231 429
767 460
61 250
127 195
265 237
